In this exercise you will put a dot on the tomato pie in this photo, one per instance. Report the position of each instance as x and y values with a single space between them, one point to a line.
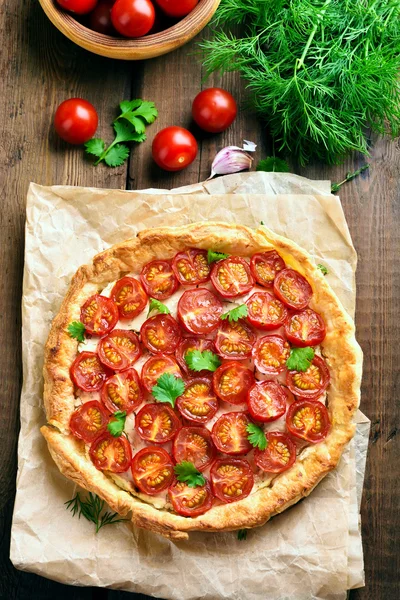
200 378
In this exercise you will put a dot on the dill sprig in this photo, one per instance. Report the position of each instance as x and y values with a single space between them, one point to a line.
92 509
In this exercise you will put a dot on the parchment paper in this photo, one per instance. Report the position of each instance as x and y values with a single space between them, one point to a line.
310 552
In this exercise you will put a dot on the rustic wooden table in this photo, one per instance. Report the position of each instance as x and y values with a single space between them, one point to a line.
39 69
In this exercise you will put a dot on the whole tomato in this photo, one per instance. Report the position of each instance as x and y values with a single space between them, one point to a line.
177 8
214 110
174 148
133 18
76 120
80 7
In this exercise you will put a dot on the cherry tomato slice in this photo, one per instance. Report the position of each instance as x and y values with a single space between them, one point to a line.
76 121
122 391
79 7
119 349
231 479
198 402
308 420
234 340
161 334
279 455
214 110
189 501
152 470
311 383
133 18
199 311
110 453
265 266
265 311
177 8
87 372
293 289
191 267
129 296
195 445
229 433
266 401
270 354
232 277
157 423
231 382
88 421
158 279
191 343
99 315
305 328
155 367
174 148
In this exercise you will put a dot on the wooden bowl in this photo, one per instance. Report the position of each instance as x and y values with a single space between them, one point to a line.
132 49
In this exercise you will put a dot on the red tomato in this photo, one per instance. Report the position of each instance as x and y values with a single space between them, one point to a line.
157 423
195 445
198 402
177 8
191 343
100 18
229 433
152 470
189 501
133 18
265 266
232 277
158 279
231 479
214 110
199 311
129 296
279 455
119 349
161 334
110 453
191 267
234 340
311 383
89 421
265 311
122 391
308 420
266 401
99 315
87 372
293 289
231 382
155 367
270 354
80 7
76 121
305 328
174 148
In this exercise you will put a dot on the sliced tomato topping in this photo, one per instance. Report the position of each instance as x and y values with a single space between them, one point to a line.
229 433
198 402
191 267
265 266
110 453
157 423
270 354
161 334
311 383
155 367
234 340
199 311
119 349
88 421
189 501
192 343
158 279
129 296
305 328
265 311
231 382
279 455
308 420
122 391
195 445
152 470
293 289
87 372
231 479
232 277
266 401
99 315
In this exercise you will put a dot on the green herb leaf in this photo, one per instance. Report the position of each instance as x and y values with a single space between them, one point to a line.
202 361
242 534
261 223
92 509
138 113
76 330
323 269
256 436
117 155
236 313
168 388
159 306
349 176
215 256
186 471
273 164
116 426
300 359
95 146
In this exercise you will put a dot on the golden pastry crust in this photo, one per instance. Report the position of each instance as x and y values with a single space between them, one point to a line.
339 348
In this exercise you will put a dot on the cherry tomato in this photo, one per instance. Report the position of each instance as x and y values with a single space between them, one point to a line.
76 121
129 296
231 479
265 266
198 402
100 18
293 289
266 401
122 391
87 372
305 328
80 7
133 18
270 354
88 421
191 267
110 453
265 311
195 445
214 110
192 343
199 311
177 8
157 423
229 433
155 367
308 420
99 315
234 340
119 349
161 334
231 382
158 279
174 148
190 501
152 470
311 383
232 277
278 456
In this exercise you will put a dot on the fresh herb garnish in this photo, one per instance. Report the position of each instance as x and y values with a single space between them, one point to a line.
168 388
76 330
239 312
273 164
116 426
202 361
242 534
139 113
300 359
186 471
215 256
323 269
159 306
349 176
256 436
92 509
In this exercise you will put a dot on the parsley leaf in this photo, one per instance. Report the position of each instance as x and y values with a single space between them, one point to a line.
236 313
273 164
323 269
138 113
76 330
186 471
256 436
157 305
214 256
300 359
242 534
117 155
95 147
116 426
168 388
202 361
